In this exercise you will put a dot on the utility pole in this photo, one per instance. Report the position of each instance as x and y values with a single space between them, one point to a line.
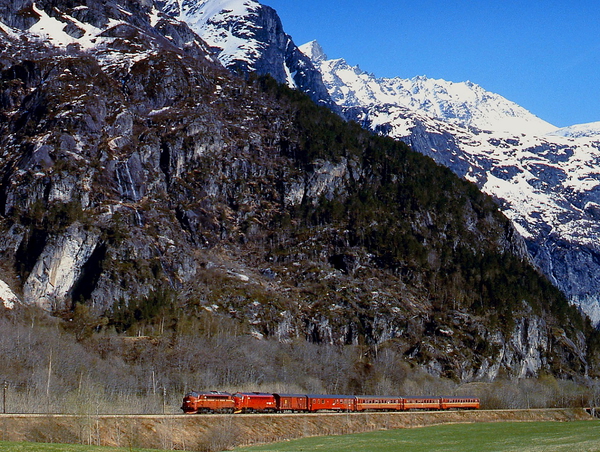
4 388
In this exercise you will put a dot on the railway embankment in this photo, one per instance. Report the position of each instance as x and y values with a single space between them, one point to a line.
218 432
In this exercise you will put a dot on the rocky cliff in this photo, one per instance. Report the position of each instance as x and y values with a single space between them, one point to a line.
248 37
137 174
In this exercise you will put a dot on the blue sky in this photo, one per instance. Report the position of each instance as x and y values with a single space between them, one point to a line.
543 55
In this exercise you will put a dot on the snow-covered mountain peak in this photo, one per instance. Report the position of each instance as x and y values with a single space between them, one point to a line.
314 51
197 13
248 37
464 103
113 31
588 130
223 24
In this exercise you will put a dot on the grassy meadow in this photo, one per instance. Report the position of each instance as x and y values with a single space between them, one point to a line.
580 436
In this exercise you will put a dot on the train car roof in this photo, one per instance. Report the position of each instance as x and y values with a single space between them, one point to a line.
438 397
329 396
459 398
290 395
422 397
262 394
378 397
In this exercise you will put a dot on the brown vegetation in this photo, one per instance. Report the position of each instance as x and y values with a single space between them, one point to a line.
211 433
51 368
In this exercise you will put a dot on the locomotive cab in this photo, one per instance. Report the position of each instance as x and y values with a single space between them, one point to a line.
190 402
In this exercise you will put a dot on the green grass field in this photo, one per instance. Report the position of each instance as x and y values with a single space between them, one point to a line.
582 436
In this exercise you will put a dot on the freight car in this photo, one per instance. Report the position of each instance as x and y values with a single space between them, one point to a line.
294 403
257 402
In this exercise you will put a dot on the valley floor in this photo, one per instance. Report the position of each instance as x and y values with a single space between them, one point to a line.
479 437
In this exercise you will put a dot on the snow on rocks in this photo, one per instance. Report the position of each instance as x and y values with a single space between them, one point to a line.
463 103
223 25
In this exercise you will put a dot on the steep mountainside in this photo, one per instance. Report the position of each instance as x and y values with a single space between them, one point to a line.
479 135
548 184
137 174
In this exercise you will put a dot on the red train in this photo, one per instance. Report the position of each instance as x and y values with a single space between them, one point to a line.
208 402
258 402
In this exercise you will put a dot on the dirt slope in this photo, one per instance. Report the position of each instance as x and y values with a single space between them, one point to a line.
218 432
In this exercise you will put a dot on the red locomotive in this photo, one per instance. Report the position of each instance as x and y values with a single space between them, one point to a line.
257 402
254 402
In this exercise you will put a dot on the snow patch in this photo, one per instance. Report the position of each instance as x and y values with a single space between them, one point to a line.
154 16
591 129
289 77
8 31
52 30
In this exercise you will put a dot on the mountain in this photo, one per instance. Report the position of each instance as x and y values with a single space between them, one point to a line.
143 181
248 37
544 178
465 104
513 155
578 131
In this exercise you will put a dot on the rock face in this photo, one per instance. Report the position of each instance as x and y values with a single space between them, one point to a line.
7 296
248 37
59 266
134 168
